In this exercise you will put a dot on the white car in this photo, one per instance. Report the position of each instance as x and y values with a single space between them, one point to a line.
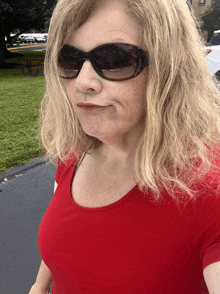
213 57
40 39
26 39
213 54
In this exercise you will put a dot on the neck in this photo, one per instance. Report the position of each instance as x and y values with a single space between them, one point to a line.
119 149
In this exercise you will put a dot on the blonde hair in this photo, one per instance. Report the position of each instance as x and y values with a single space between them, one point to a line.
182 99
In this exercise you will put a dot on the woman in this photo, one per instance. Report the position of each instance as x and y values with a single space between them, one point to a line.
131 113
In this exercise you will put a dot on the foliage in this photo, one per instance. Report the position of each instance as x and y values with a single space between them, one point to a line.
25 14
211 19
22 15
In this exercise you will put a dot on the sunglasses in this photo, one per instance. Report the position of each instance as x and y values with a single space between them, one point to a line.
112 61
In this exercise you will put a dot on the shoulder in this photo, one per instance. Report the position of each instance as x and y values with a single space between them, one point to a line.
203 219
65 166
208 187
206 204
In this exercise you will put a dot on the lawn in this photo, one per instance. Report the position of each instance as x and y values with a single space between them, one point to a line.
20 98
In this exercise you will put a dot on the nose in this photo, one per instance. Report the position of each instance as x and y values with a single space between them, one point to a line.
88 80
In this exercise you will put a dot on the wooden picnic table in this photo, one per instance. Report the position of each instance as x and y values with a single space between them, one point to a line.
29 64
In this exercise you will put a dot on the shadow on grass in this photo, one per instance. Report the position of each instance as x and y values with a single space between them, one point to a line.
8 65
12 60
9 56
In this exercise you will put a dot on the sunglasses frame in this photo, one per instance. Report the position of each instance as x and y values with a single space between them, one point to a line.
140 53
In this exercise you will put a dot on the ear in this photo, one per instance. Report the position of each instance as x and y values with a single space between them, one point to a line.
212 277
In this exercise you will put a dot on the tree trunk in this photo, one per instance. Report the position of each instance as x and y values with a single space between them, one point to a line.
205 35
2 59
4 52
2 42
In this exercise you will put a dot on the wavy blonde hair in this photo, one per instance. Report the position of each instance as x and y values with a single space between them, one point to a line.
182 129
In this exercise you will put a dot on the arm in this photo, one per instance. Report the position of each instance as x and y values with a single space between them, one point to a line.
212 277
44 277
55 186
43 281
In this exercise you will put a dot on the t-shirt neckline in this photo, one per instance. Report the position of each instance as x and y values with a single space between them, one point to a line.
101 208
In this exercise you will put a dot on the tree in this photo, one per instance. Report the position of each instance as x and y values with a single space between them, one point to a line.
22 15
211 19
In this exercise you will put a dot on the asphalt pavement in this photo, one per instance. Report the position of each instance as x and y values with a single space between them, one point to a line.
24 198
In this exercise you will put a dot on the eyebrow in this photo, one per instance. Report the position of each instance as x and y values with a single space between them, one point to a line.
116 40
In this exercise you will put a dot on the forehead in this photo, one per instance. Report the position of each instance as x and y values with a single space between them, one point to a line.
108 23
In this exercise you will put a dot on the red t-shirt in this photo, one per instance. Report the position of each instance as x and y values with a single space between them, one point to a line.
133 246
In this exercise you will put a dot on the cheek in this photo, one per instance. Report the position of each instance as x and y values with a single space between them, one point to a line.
133 108
135 98
138 102
72 94
70 90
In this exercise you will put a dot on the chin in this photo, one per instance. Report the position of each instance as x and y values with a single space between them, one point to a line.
98 134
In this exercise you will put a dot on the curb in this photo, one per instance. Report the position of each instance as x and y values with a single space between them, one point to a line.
31 46
21 169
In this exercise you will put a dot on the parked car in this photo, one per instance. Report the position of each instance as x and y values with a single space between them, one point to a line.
26 39
40 39
213 54
213 57
29 39
216 38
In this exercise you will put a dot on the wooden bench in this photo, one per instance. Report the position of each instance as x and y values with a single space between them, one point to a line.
37 67
22 66
30 66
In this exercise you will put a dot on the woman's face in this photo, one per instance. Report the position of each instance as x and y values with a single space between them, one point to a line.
123 113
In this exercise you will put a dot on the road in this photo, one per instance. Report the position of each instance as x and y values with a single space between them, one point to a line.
23 201
34 47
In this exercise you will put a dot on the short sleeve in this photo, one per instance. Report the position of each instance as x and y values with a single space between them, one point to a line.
204 232
209 232
206 229
211 255
210 249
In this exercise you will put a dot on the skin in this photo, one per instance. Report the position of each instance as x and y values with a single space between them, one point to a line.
119 125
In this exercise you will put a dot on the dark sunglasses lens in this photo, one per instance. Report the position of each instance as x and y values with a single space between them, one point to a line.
116 61
70 61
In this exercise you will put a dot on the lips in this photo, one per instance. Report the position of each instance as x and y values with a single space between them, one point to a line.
89 106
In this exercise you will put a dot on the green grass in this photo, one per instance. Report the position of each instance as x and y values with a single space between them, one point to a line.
20 98
28 54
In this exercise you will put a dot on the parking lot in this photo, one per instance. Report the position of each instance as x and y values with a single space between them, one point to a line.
27 39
